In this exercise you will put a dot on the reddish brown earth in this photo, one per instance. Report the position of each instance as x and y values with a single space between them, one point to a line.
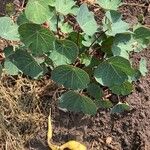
128 131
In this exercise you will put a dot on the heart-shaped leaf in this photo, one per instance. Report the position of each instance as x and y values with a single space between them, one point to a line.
38 39
38 11
86 20
8 30
124 89
26 63
113 24
141 37
76 102
120 108
113 71
109 4
122 45
71 77
64 52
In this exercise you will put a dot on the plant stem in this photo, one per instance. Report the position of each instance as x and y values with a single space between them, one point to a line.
23 2
97 38
118 98
78 36
57 24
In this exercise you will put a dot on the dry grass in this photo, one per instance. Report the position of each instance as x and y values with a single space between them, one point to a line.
24 107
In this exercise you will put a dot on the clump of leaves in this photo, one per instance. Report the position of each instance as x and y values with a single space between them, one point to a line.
84 56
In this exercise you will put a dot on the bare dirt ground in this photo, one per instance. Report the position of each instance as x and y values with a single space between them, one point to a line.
25 105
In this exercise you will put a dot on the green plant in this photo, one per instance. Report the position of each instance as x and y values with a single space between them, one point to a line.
84 56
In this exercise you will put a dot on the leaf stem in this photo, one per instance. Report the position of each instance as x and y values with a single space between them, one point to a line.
57 23
118 98
97 38
78 35
22 5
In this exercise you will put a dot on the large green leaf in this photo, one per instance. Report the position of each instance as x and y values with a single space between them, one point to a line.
8 30
113 71
64 6
109 4
27 64
38 11
122 45
64 52
86 20
143 66
113 24
38 39
71 77
78 103
124 89
120 108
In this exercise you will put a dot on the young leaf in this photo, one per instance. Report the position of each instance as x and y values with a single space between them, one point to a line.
10 67
95 91
54 23
106 104
78 103
8 51
106 46
120 107
113 24
86 20
75 37
22 19
109 4
64 52
9 64
141 37
38 11
64 6
88 40
122 45
66 27
26 63
113 71
38 39
124 89
142 33
71 77
8 30
143 66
